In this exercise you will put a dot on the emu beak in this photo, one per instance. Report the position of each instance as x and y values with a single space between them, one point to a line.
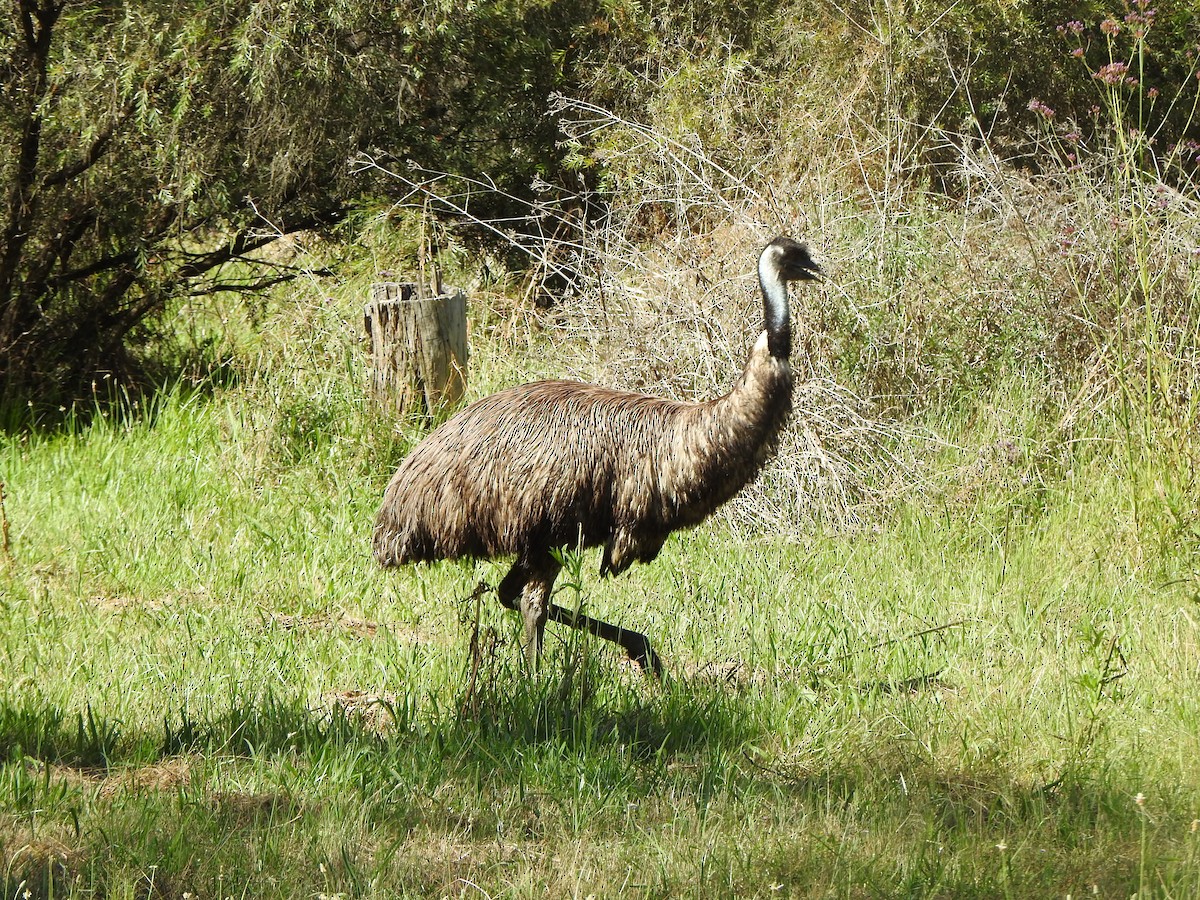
809 270
804 267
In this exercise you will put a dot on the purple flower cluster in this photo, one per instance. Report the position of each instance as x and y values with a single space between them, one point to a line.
1137 20
1140 22
1067 239
1037 106
1141 18
1113 73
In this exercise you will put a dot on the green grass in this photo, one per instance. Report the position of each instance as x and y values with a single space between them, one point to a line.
208 689
981 683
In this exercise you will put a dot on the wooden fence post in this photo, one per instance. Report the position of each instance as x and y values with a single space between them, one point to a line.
418 346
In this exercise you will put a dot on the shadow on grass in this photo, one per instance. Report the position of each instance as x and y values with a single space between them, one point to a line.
583 707
524 745
46 733
197 373
59 767
574 713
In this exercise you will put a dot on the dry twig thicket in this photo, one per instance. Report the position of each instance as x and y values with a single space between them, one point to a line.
1067 263
671 311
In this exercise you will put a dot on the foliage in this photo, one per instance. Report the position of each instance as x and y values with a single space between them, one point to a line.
1134 261
942 76
157 150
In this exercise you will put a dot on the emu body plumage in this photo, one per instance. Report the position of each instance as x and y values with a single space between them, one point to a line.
561 463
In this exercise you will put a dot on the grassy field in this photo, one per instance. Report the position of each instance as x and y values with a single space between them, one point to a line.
208 690
949 646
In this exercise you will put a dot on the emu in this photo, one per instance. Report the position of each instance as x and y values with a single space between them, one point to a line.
553 464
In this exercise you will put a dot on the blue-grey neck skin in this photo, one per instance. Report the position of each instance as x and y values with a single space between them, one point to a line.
776 315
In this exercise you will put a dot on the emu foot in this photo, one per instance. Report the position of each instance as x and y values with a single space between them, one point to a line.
635 644
639 650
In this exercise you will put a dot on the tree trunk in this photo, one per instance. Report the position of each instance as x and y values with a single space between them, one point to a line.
418 347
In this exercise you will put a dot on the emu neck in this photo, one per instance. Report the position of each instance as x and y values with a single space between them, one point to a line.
729 439
762 398
776 315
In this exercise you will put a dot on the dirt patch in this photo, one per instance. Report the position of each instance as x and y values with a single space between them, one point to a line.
348 624
359 628
81 778
168 775
116 604
375 712
162 776
252 808
122 604
737 674
31 859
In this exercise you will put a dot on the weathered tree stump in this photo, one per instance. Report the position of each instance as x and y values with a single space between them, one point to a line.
418 346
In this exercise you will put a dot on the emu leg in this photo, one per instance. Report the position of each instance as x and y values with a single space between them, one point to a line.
526 577
527 588
634 643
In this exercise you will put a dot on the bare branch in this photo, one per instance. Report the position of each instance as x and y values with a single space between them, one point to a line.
289 273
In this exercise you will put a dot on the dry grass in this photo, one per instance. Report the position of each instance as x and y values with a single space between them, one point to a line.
1053 275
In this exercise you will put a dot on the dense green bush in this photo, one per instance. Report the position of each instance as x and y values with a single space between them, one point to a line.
152 150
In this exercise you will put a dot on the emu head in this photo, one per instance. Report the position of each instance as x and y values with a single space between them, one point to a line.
781 261
789 260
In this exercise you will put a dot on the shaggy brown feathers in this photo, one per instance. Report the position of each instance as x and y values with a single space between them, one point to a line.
561 463
550 463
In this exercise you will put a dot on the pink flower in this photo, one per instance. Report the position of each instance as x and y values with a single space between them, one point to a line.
1145 17
1152 93
1077 53
1112 73
1110 27
1037 106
